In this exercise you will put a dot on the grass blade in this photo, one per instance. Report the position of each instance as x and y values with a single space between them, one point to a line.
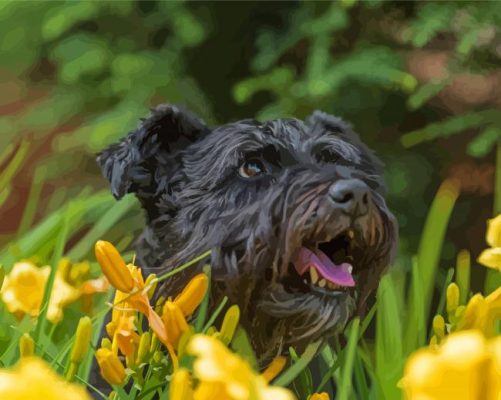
347 370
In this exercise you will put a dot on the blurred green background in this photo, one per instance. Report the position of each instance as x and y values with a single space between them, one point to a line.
420 81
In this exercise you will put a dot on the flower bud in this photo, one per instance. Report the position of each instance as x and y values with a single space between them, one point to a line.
452 298
82 340
112 369
439 326
153 281
113 266
26 345
143 350
229 325
174 321
192 295
106 343
276 366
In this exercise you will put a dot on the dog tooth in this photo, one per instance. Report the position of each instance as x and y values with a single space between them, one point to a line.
350 268
313 275
322 283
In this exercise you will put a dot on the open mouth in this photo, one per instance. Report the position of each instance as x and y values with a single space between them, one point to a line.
326 267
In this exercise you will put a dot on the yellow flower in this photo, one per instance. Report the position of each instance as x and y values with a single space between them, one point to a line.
129 282
464 367
492 257
223 375
111 368
62 295
23 289
33 379
493 236
180 386
319 396
482 313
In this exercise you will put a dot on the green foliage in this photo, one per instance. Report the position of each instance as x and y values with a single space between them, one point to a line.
77 76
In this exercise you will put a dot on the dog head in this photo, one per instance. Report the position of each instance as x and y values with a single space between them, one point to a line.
293 211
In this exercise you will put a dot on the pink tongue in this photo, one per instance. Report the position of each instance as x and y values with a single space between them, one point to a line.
338 274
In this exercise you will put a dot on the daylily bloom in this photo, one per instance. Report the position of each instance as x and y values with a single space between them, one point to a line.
23 290
180 386
491 257
223 375
482 313
465 367
33 379
128 280
111 368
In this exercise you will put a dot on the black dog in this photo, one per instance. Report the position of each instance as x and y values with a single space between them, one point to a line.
293 212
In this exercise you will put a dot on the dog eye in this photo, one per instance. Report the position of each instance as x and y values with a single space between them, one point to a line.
251 168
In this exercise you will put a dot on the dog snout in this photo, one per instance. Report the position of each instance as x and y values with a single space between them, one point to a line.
351 196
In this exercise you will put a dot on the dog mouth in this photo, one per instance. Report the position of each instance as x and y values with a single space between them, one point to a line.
325 267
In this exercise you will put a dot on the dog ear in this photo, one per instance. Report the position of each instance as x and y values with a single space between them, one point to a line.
131 165
321 121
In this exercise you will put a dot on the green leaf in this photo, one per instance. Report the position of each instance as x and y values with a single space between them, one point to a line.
484 142
431 19
345 388
389 348
425 93
241 344
294 370
450 126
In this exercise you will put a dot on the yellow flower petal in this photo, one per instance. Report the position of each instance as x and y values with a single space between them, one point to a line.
62 295
180 386
491 258
223 375
23 289
33 379
455 370
174 322
493 236
319 396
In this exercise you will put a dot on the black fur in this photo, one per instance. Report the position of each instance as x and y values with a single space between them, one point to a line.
186 177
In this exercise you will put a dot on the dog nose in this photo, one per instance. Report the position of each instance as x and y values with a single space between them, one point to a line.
351 196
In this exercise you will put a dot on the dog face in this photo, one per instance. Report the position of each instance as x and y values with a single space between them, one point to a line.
293 212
